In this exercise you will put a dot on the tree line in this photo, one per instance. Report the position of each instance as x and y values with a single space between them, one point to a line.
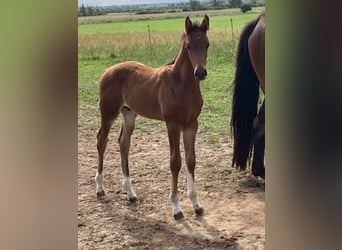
214 4
191 5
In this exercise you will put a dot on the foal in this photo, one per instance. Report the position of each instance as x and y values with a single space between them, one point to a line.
170 93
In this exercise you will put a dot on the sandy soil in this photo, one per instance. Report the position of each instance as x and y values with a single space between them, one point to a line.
233 202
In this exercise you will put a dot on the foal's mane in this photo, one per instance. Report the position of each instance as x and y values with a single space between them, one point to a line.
195 27
170 63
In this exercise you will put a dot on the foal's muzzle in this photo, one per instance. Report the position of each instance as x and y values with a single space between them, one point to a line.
200 73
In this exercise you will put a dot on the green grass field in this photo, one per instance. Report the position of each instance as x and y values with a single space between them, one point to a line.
102 45
174 24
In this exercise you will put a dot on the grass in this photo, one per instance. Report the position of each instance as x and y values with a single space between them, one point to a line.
174 24
125 17
102 45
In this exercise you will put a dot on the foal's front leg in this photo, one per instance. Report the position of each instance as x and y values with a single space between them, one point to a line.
175 165
189 137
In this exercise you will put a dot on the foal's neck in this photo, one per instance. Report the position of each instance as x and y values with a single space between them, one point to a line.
182 64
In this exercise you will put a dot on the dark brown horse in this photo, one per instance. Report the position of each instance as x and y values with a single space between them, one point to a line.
248 124
170 93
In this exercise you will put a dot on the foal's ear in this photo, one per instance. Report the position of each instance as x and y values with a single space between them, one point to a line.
188 24
205 23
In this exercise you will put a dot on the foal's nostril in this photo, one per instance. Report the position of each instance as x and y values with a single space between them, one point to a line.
201 73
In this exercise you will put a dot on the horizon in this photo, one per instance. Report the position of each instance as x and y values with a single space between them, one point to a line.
124 2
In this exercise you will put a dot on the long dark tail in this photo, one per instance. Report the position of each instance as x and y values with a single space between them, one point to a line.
245 101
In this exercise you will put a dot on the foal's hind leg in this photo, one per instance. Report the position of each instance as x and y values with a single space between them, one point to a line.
258 167
189 136
125 141
107 118
175 165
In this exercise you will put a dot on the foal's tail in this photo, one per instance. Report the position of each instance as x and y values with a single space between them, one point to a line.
245 100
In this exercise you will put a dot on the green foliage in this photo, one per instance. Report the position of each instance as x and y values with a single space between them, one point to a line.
194 5
216 3
82 11
235 3
90 11
246 7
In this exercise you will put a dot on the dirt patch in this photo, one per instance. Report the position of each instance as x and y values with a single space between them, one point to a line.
233 202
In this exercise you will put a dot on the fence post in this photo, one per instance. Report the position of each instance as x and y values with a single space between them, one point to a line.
149 36
232 28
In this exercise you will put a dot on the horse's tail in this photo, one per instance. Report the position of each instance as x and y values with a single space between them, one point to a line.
245 100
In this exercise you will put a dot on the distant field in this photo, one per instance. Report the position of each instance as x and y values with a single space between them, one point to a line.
124 17
104 44
218 22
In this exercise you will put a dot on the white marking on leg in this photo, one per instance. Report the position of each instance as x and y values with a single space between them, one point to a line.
99 182
192 191
175 203
128 187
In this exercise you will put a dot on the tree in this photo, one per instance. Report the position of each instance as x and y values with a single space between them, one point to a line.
245 7
90 11
235 3
214 3
217 3
97 11
82 11
195 5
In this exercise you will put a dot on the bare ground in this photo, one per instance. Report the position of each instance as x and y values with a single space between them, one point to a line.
233 202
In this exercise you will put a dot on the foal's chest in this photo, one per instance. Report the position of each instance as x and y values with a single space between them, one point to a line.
185 103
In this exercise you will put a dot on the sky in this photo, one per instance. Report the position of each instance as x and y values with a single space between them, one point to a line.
123 2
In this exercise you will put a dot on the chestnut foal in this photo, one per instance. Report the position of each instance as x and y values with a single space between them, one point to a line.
170 93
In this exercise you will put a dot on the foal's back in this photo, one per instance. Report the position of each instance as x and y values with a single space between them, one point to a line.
136 86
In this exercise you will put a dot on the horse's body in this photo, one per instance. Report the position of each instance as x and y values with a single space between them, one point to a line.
249 124
170 93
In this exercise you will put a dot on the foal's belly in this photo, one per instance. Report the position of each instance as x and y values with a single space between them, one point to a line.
140 92
159 108
145 110
144 103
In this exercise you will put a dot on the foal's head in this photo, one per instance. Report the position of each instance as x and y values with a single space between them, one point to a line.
196 42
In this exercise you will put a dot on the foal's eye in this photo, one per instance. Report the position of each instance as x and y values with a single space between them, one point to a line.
188 47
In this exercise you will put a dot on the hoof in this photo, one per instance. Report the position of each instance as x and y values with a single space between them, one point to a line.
260 173
178 216
199 211
133 199
100 194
